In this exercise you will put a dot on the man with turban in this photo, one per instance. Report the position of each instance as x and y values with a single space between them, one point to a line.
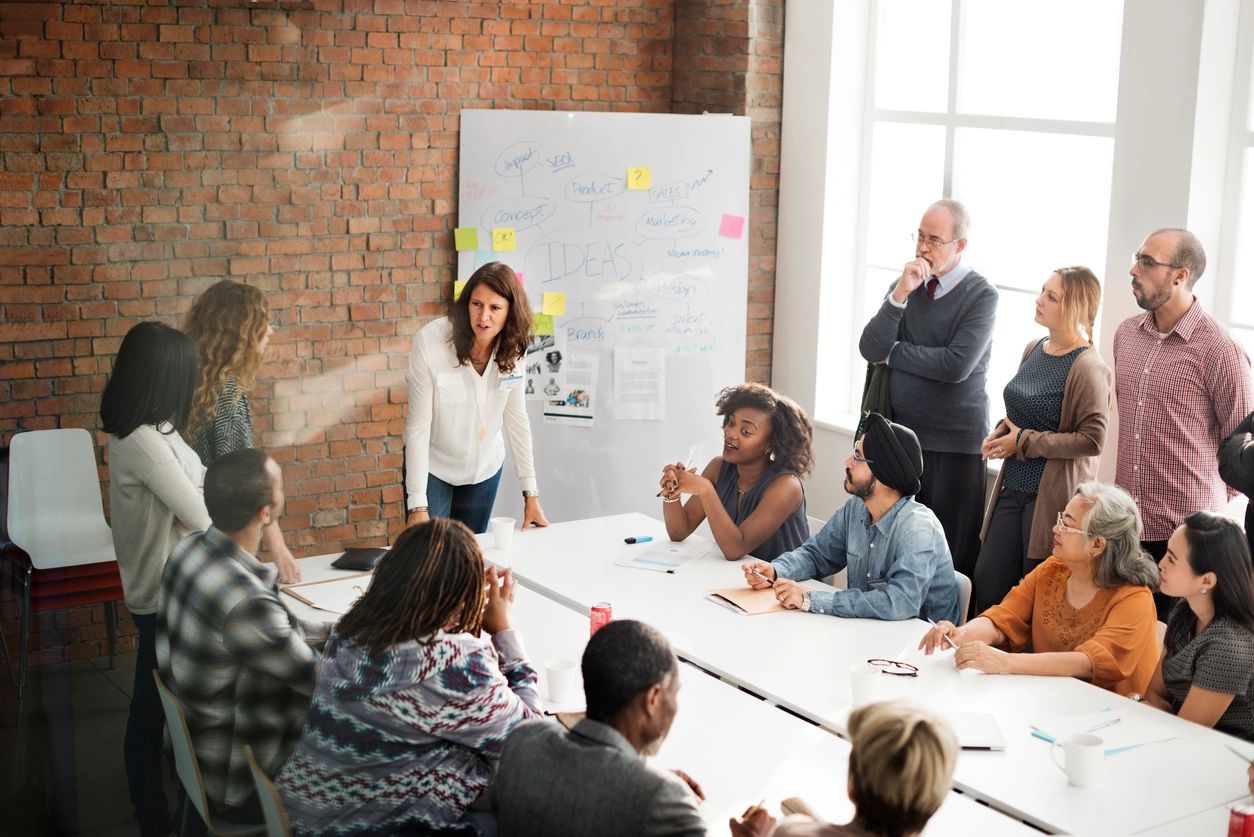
894 547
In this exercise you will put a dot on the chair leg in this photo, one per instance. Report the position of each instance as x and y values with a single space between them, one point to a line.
21 676
111 629
8 661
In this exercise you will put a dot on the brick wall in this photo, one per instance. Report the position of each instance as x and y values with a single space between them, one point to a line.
149 149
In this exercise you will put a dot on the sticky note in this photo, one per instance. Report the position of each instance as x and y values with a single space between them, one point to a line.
554 303
541 324
639 177
466 238
732 226
518 273
504 238
482 257
458 287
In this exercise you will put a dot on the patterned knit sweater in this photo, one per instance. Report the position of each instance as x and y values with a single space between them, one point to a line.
403 741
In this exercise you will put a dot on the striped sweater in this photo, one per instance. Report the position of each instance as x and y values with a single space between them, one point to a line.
403 741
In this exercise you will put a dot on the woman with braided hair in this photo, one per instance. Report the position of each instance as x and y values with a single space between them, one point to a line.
412 704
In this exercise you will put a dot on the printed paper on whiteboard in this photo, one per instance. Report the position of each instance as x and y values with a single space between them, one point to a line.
574 404
640 384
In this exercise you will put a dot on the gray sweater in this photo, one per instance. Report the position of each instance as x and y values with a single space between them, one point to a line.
940 365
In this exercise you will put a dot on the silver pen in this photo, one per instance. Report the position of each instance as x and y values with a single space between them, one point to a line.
1105 724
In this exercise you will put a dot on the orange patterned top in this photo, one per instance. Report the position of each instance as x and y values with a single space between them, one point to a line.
1115 630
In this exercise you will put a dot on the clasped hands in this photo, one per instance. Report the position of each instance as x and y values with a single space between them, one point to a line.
968 654
1003 442
679 479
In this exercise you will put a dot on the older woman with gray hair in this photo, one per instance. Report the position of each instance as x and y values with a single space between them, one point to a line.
1087 612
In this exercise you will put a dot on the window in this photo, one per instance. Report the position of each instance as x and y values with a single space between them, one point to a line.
1234 287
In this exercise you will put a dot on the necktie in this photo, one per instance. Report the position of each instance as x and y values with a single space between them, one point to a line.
931 287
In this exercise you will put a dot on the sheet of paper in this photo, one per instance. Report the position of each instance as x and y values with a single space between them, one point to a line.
665 556
1117 729
639 177
543 365
732 226
334 596
640 384
976 730
746 600
504 239
466 238
554 303
573 404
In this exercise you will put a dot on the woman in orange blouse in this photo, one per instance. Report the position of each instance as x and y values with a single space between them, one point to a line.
1087 611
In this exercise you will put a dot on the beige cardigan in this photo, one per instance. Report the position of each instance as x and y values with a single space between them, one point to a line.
1072 452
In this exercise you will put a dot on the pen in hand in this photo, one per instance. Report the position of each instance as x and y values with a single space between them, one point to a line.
770 581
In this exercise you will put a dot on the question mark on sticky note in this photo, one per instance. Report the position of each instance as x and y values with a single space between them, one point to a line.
639 177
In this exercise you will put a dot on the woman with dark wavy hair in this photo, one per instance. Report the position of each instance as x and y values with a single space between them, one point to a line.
1204 675
466 405
752 493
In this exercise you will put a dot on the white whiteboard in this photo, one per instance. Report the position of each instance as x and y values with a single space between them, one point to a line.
653 268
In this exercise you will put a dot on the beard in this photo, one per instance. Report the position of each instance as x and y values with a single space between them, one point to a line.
652 748
861 490
1151 301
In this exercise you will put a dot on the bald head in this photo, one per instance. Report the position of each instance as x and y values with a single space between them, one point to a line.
1186 250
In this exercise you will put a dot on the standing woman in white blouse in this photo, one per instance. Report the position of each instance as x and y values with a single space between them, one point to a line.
466 405
155 498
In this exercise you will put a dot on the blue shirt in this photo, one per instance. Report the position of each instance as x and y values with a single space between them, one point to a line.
899 567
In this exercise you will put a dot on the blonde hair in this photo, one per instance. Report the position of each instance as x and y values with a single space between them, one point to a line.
901 766
1081 296
227 323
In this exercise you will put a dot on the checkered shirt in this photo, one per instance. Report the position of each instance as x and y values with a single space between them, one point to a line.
1178 397
237 659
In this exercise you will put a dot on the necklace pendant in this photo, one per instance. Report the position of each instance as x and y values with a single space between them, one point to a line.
483 432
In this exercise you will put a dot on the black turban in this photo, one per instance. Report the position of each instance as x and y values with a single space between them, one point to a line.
896 458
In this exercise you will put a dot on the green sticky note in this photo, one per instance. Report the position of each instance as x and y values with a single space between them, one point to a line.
541 324
458 287
466 238
554 303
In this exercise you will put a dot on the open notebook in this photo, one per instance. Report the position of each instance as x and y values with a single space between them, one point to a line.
746 601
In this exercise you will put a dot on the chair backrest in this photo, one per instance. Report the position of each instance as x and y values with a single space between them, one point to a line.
839 580
271 802
815 524
55 513
964 596
185 764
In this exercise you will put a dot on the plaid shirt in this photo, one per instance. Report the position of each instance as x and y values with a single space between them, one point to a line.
1178 397
236 658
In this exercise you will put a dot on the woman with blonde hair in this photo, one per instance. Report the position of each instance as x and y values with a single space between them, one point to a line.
230 324
1057 406
901 769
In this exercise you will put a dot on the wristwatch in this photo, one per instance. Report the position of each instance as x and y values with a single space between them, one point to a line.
805 602
527 492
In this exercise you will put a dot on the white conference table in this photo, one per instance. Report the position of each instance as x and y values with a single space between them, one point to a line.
800 661
740 749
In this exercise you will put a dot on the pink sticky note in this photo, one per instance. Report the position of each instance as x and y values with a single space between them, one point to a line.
732 226
520 277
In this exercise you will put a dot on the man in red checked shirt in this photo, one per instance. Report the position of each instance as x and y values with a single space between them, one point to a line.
1182 384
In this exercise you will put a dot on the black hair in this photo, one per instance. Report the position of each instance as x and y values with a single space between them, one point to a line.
791 433
621 660
153 380
1218 545
237 486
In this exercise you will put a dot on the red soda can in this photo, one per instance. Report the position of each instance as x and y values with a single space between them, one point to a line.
600 615
1241 820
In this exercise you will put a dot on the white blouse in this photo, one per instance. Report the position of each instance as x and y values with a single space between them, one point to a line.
456 418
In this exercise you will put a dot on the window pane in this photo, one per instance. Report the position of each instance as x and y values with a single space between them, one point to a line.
1245 336
1243 256
1014 328
912 55
1057 60
907 169
1037 201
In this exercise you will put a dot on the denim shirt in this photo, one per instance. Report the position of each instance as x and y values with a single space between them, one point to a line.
899 568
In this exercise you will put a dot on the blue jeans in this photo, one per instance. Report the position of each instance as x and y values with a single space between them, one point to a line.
471 504
142 746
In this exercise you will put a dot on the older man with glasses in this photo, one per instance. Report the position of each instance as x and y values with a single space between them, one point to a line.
934 330
1182 384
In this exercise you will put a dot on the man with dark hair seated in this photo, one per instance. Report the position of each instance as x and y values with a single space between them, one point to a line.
593 779
239 661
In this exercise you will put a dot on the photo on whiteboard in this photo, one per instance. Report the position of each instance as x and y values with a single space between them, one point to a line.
543 367
573 403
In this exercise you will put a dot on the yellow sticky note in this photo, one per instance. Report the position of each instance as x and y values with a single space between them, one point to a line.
504 238
541 324
466 238
458 287
554 303
639 177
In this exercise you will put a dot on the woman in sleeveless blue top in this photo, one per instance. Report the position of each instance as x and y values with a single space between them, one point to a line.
752 494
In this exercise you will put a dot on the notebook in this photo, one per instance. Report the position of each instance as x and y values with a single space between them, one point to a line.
976 730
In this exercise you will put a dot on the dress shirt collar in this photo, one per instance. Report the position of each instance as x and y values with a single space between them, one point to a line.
948 281
603 734
886 522
1185 327
220 541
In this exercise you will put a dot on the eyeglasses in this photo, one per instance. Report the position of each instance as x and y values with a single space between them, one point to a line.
1060 526
1149 262
859 458
930 240
894 667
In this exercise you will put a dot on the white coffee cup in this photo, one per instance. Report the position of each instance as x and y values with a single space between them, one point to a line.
1084 756
864 681
503 531
562 676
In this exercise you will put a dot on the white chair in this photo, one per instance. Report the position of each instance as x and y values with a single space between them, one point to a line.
838 580
964 596
271 802
188 770
59 546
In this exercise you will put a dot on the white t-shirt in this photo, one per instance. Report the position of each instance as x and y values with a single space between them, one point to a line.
448 405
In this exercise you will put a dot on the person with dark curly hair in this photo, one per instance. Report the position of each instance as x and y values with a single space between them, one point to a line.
752 493
466 405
